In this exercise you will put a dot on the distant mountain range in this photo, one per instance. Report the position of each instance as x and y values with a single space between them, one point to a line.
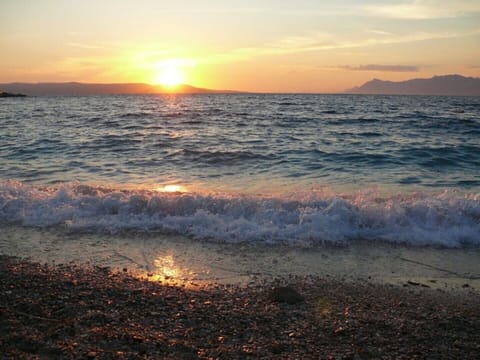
437 85
75 89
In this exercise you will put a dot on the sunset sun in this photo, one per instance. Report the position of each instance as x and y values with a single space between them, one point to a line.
170 74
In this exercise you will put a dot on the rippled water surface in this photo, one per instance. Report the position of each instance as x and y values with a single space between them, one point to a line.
236 139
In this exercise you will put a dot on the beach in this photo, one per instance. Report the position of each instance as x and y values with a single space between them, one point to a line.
148 296
137 295
74 311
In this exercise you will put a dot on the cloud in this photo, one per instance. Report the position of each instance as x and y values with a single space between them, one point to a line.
83 46
386 68
424 9
379 32
326 42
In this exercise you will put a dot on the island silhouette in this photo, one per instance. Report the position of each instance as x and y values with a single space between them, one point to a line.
438 85
7 94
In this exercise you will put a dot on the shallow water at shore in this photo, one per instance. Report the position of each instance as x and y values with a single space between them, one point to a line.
179 259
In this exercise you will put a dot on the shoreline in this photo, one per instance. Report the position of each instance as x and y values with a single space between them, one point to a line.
184 260
72 311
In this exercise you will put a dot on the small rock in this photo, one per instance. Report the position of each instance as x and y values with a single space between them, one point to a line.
286 294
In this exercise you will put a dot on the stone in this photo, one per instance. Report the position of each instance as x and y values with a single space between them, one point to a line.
286 294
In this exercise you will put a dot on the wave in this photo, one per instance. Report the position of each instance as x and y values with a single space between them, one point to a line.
229 157
135 115
446 219
433 157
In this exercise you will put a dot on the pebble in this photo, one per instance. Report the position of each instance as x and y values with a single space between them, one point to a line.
286 294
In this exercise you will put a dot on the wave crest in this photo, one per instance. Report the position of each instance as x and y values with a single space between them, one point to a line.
445 219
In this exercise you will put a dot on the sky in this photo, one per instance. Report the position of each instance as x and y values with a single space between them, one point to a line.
248 45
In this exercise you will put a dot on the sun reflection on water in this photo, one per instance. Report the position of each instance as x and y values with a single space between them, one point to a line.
165 266
172 189
167 271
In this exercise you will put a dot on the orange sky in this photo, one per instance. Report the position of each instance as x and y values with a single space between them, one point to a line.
271 46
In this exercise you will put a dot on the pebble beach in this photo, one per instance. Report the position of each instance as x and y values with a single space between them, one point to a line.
92 312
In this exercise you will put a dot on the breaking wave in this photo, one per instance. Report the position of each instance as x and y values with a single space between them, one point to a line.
447 219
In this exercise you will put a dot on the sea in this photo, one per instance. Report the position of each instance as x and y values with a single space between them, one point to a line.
300 171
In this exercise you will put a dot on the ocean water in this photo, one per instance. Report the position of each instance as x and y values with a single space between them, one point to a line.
300 170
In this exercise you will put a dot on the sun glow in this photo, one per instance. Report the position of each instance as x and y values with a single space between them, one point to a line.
170 73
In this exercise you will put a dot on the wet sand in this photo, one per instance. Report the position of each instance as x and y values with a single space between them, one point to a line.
178 259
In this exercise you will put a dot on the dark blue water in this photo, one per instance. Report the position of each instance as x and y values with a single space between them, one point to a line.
371 166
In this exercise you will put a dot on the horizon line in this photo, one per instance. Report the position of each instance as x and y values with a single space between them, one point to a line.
185 88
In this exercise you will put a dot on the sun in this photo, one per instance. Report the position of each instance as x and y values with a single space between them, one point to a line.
170 74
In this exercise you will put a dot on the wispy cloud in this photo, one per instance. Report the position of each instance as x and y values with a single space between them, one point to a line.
83 46
379 32
325 42
424 9
386 68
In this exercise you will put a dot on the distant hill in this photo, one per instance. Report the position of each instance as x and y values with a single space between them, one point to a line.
75 89
6 94
437 85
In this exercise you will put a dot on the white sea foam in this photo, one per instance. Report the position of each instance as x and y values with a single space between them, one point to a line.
446 218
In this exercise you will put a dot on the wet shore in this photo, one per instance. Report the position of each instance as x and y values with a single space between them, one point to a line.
190 260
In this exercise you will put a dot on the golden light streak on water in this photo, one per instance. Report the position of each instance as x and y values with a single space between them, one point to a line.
168 272
172 189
